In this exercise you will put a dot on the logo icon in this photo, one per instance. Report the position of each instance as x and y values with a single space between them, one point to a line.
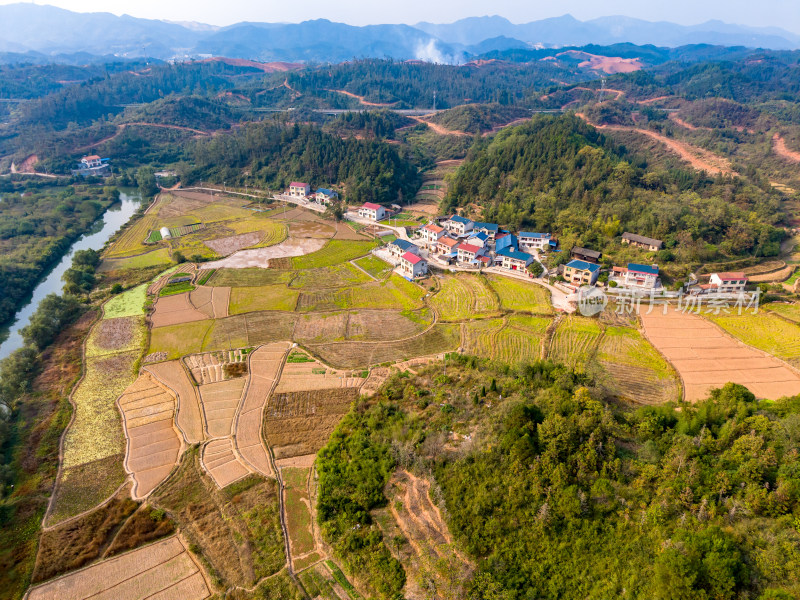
591 300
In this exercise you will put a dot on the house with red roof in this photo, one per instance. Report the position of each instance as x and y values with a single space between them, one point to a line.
728 282
446 245
298 189
468 252
412 266
372 211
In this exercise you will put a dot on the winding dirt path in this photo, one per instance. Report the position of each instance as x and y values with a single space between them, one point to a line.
441 130
122 126
361 98
782 150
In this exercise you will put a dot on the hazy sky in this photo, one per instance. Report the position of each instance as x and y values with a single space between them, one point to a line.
782 13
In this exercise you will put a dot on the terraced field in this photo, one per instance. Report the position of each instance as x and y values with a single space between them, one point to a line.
521 295
333 253
575 341
766 332
463 296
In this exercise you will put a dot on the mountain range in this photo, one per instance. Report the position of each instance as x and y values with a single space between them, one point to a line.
46 30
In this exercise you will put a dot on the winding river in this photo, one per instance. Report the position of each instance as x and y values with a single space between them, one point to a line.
106 226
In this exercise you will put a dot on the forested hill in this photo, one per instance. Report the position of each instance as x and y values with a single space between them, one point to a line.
273 155
559 174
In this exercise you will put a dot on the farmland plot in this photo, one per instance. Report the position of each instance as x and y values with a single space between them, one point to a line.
333 253
328 277
129 303
219 402
575 341
190 417
521 295
766 332
222 462
297 507
463 297
174 310
321 327
313 375
121 334
185 338
268 297
164 570
249 277
789 311
212 367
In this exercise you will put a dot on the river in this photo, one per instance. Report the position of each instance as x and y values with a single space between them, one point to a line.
106 226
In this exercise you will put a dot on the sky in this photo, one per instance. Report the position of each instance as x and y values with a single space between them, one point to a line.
760 13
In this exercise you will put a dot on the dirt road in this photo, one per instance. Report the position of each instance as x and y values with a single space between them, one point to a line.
782 150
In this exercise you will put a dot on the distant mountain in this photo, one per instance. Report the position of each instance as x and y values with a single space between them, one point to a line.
51 31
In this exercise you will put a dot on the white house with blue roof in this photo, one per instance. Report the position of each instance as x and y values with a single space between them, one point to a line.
637 276
478 239
580 272
399 247
529 240
325 196
490 229
513 260
459 225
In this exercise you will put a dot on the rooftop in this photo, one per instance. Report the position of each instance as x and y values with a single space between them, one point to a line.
298 184
433 227
371 206
448 241
92 157
459 219
586 252
582 265
487 226
412 258
641 239
648 269
402 244
325 191
515 255
731 276
530 234
469 248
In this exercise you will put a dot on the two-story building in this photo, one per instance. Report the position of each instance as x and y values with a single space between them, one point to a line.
642 241
729 283
399 247
431 234
91 162
447 246
580 272
529 240
458 225
372 211
298 189
467 252
514 260
506 241
325 196
412 266
478 239
490 229
637 276
585 254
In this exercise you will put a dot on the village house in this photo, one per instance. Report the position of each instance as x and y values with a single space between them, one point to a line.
642 241
467 252
91 162
325 196
637 276
478 239
580 272
514 260
728 282
412 266
507 241
298 189
533 241
447 245
431 233
459 225
92 166
490 229
399 247
585 254
372 211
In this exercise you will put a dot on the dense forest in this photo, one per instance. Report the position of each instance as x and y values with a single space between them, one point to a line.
560 174
560 495
38 222
274 155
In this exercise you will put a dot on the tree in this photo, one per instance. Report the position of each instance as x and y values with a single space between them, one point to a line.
146 180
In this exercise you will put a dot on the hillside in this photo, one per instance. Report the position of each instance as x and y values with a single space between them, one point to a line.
478 118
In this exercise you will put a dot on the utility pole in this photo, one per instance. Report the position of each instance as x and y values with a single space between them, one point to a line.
434 100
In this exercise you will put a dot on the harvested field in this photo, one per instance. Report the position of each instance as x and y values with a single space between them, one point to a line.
265 365
228 245
129 303
575 341
212 367
707 358
349 355
211 301
249 277
345 232
222 462
305 461
269 297
144 526
162 570
190 419
72 545
313 375
431 551
260 257
393 293
300 423
250 329
321 327
297 508
517 339
329 277
148 411
464 296
174 310
636 371
83 487
121 334
311 229
520 295
377 377
219 402
140 261
765 331
184 338
237 530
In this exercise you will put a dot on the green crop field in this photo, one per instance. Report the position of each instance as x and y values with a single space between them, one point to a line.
765 331
464 296
575 341
249 277
333 253
627 346
298 513
790 311
392 293
521 295
329 277
176 288
127 304
374 266
179 340
268 297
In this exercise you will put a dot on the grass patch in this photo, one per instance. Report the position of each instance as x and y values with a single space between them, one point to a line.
464 296
142 261
268 297
765 331
252 277
521 296
374 266
129 303
298 512
299 357
179 340
83 487
333 253
342 581
176 288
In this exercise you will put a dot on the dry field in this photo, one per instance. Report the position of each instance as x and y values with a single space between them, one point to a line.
516 339
190 417
464 296
148 412
297 508
264 364
575 341
228 245
164 570
174 310
313 375
220 402
300 423
222 462
114 335
260 257
212 367
521 295
707 358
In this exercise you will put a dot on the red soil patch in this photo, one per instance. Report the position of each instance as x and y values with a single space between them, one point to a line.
686 125
438 128
190 420
782 150
270 67
607 64
163 570
707 358
26 166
